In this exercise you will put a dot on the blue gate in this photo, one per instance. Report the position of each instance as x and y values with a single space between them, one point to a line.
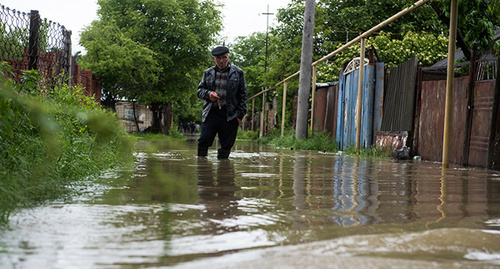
373 90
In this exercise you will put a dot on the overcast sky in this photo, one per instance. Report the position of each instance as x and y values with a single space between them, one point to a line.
241 17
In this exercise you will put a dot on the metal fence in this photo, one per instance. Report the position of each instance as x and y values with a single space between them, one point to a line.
28 42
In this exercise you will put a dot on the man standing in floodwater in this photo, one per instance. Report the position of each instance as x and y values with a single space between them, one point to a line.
224 90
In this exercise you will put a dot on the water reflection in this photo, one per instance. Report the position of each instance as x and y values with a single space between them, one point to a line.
217 189
176 207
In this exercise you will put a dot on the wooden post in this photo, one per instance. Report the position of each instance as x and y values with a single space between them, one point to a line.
359 100
253 115
313 99
263 113
470 105
449 82
283 110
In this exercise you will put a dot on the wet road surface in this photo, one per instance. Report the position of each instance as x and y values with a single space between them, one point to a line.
265 208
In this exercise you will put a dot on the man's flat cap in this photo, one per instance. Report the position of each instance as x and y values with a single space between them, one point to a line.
220 50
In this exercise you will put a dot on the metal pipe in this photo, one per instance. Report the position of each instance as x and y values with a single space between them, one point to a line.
359 100
449 82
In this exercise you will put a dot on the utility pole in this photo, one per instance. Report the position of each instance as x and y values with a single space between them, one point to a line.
267 35
305 70
263 114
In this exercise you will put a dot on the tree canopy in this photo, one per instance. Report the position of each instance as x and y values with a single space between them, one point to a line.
151 50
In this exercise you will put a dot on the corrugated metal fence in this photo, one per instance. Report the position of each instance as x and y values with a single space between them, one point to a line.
400 97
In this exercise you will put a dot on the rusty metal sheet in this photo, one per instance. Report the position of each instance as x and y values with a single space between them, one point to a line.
431 125
378 102
330 124
320 108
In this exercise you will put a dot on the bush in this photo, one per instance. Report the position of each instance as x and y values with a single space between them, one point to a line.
51 138
247 135
318 141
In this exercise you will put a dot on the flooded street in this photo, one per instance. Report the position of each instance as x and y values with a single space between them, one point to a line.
265 208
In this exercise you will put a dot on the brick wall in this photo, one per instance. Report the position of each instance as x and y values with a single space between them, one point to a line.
49 67
90 83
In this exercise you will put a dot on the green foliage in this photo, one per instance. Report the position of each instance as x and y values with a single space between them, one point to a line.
477 20
125 67
428 47
374 151
317 141
51 139
168 43
249 54
247 135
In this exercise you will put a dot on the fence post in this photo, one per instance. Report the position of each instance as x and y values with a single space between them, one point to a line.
33 39
313 97
69 61
253 115
263 113
283 110
470 105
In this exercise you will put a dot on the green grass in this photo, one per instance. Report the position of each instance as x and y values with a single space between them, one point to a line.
319 141
52 138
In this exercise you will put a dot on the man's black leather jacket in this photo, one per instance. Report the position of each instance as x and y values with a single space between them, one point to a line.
236 92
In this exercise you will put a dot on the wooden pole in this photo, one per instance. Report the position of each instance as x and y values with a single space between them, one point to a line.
359 100
470 105
283 110
313 99
253 115
261 133
449 82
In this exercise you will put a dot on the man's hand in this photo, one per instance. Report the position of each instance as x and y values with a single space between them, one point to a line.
239 121
213 96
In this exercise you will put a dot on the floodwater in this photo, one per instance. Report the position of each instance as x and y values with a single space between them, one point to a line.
265 208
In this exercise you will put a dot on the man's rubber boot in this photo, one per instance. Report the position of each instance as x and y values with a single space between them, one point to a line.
223 153
202 152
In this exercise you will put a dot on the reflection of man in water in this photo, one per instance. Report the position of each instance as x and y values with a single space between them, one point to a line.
217 191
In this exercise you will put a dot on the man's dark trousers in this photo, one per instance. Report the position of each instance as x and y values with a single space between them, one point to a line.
216 123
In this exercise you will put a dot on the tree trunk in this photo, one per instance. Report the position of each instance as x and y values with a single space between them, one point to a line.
157 115
135 116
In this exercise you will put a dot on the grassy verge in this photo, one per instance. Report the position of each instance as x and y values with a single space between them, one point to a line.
318 141
50 139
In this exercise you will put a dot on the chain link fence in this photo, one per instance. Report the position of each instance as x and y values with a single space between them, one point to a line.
28 42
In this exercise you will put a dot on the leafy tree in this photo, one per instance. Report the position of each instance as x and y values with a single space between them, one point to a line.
174 34
428 47
125 67
249 54
477 20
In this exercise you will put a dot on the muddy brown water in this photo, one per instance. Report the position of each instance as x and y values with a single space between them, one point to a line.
265 208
